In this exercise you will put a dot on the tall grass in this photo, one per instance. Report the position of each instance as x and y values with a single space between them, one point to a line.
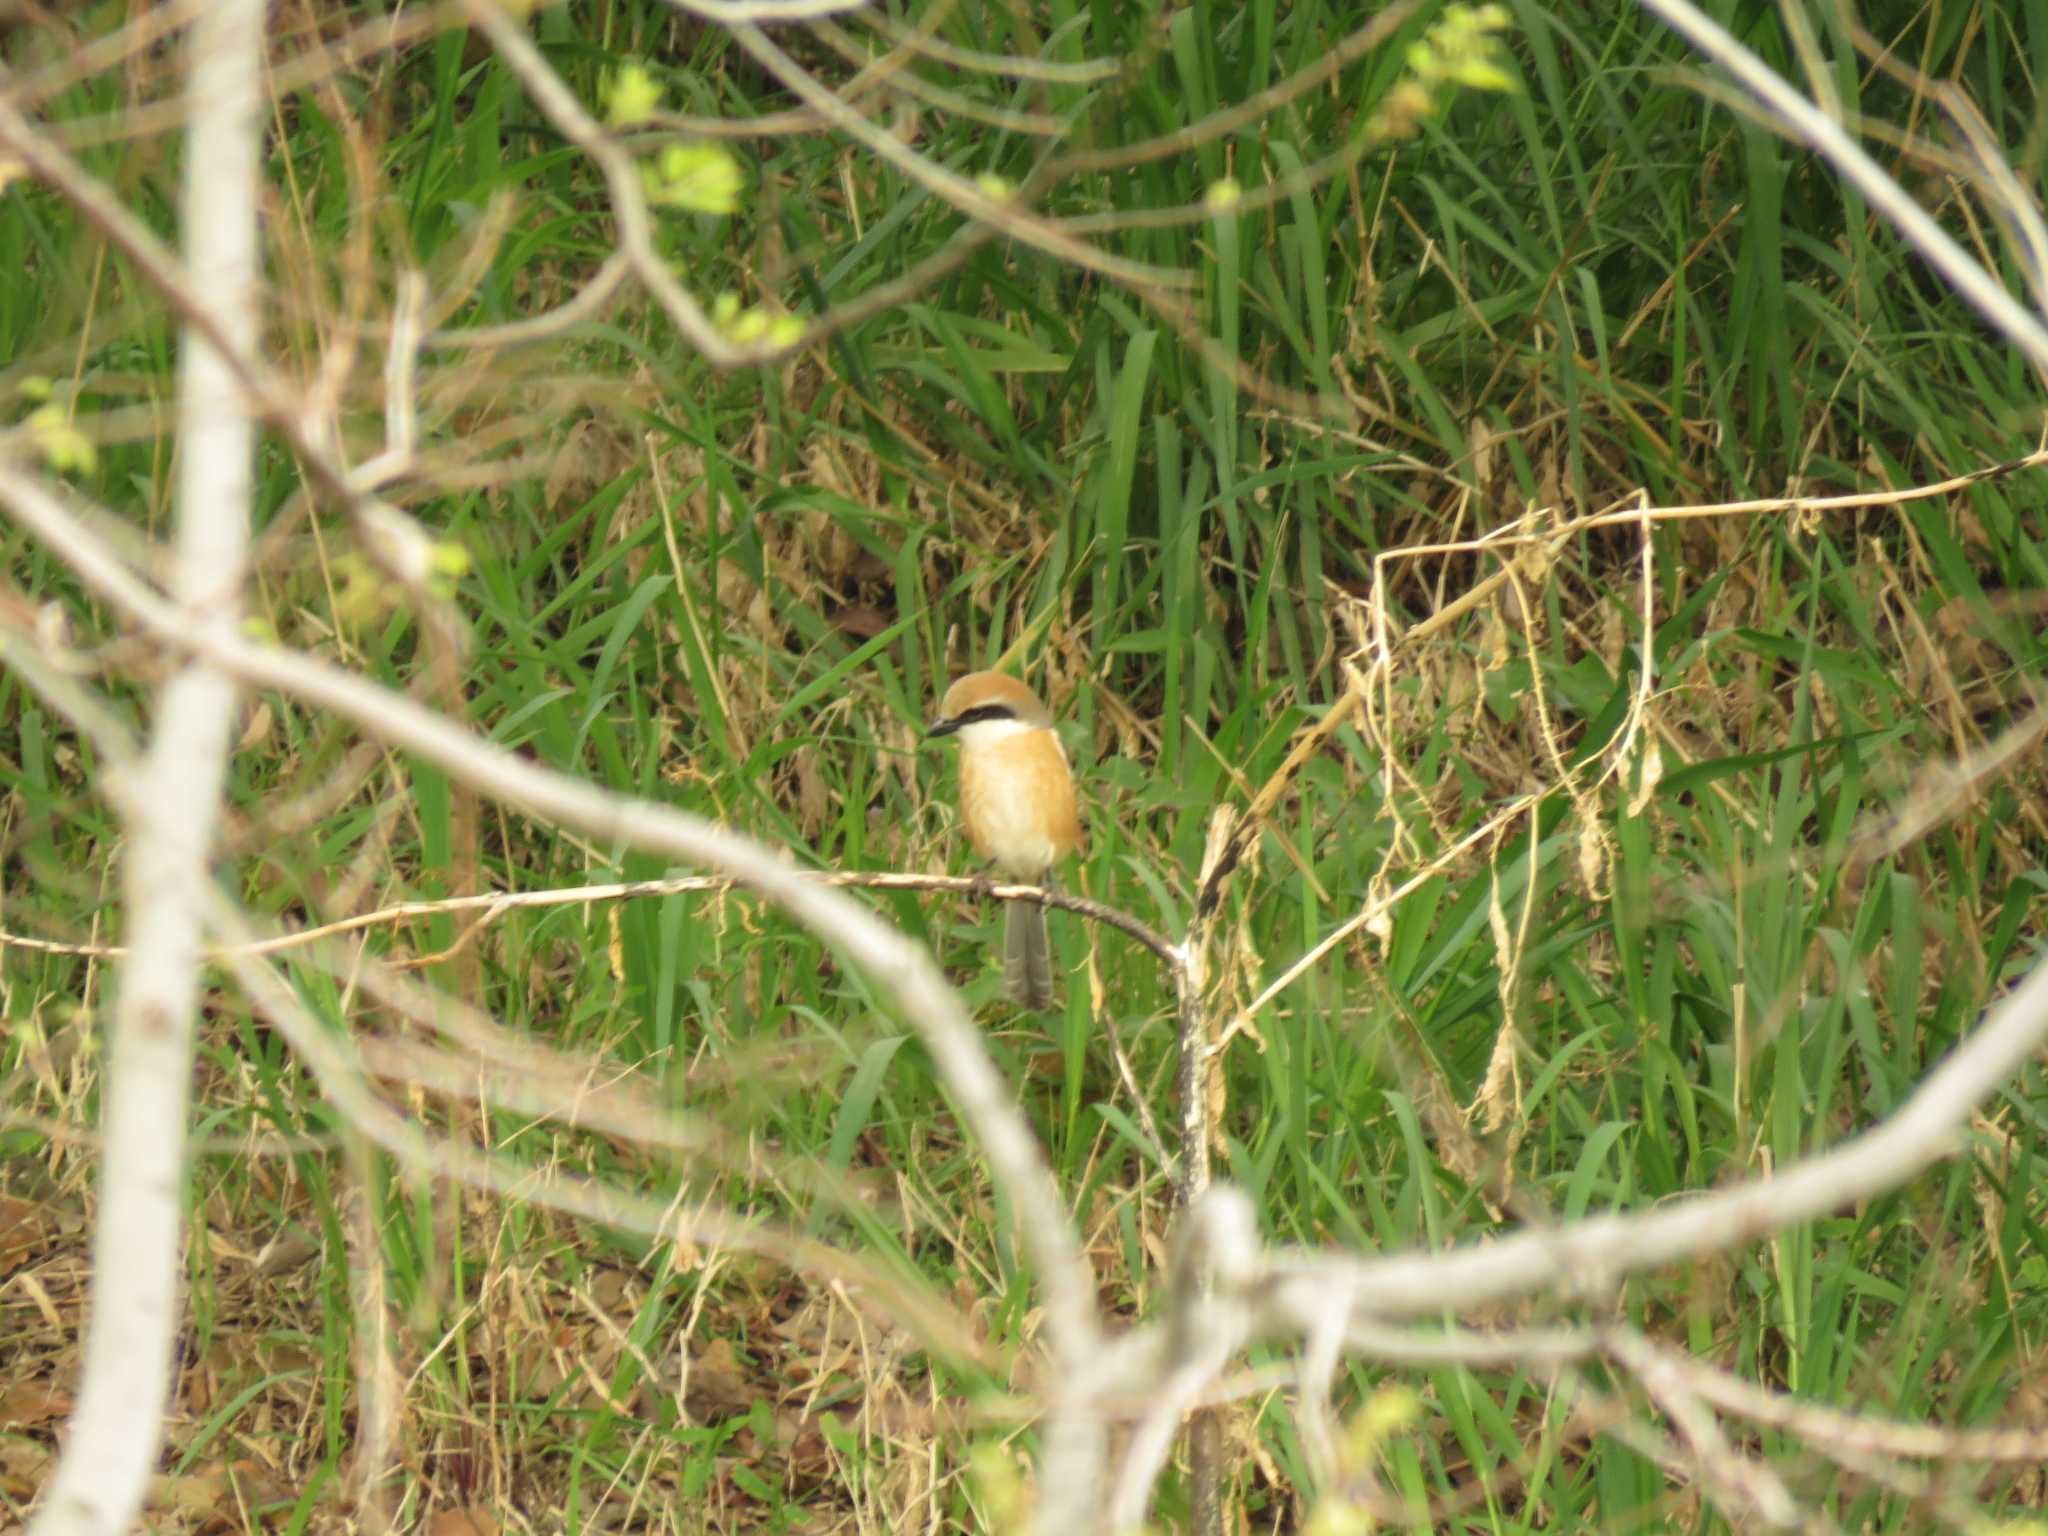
743 592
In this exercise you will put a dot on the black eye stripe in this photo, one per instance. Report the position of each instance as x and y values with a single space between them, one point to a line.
982 712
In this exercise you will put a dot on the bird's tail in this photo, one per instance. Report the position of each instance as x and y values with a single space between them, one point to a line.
1027 954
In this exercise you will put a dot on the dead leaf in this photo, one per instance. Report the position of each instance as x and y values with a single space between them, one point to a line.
26 1231
814 799
29 1403
257 731
718 1387
863 621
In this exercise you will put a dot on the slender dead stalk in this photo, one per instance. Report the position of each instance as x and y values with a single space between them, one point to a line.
1199 1069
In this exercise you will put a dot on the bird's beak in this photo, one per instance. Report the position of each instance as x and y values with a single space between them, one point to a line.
941 728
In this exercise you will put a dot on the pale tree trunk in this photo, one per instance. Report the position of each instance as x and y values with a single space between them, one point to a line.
171 808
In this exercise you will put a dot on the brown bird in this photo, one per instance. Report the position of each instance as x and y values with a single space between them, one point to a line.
1017 804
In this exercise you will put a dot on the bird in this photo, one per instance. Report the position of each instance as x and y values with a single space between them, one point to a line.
1017 806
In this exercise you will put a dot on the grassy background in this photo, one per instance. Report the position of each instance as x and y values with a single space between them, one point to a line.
742 593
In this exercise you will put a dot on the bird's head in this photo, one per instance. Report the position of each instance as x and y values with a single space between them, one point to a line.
983 707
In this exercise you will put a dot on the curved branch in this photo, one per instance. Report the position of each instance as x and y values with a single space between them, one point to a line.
918 40
1252 108
911 83
1587 1258
1806 123
903 969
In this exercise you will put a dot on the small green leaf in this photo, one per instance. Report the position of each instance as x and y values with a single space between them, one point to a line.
64 447
632 98
698 178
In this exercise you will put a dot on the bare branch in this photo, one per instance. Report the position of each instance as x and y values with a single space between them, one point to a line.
908 81
1588 1258
732 13
1829 1429
1737 1479
586 304
1216 1253
918 40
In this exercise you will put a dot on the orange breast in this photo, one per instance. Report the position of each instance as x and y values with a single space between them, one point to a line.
1017 803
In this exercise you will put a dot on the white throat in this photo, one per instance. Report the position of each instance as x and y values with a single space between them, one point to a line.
978 734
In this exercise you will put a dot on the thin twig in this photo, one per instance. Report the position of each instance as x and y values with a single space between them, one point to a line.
1242 115
1019 223
494 904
